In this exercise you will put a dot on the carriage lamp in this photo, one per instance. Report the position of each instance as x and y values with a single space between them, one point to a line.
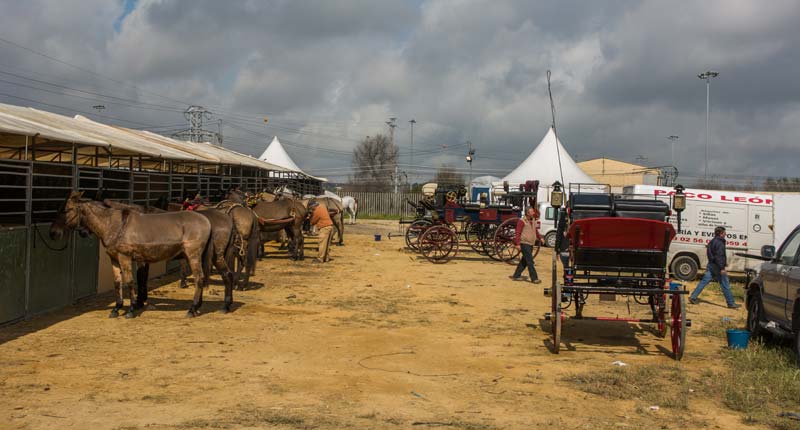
557 195
679 202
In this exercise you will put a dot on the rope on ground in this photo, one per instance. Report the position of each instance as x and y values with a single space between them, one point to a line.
427 375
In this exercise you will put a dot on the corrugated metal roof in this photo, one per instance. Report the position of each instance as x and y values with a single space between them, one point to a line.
220 154
121 141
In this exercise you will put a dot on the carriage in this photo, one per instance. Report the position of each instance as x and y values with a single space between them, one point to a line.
445 220
617 247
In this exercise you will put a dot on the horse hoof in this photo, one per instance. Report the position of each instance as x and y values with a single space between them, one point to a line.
130 314
226 309
339 244
114 313
190 314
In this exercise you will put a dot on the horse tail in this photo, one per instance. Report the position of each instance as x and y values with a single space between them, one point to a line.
253 245
208 256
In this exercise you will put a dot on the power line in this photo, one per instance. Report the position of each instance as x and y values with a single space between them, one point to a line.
74 110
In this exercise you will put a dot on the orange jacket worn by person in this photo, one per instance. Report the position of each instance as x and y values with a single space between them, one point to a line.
320 217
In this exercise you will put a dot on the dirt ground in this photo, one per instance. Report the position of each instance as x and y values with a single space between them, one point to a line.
376 339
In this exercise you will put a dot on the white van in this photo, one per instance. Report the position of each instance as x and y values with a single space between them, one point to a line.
747 219
547 224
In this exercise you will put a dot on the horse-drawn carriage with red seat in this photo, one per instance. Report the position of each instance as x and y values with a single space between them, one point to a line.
445 219
617 247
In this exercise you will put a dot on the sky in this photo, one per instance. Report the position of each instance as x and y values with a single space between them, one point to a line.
327 73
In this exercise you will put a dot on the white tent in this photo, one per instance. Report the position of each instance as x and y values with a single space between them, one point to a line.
543 165
484 180
275 154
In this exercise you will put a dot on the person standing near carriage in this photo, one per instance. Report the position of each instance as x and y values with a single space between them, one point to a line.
527 233
715 269
322 220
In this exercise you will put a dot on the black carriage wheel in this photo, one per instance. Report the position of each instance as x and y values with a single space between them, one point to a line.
480 243
438 244
555 319
472 233
678 328
487 242
504 247
414 231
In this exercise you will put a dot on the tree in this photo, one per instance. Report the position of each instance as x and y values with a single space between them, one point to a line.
374 163
448 175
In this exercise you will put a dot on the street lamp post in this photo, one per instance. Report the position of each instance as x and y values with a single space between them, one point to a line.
707 76
411 164
470 156
672 139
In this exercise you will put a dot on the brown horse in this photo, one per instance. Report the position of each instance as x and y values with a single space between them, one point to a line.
286 215
248 240
142 270
131 237
223 237
246 227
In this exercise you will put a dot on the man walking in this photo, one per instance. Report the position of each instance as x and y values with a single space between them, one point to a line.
525 239
322 220
717 261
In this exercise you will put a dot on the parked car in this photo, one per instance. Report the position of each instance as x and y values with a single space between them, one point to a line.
773 295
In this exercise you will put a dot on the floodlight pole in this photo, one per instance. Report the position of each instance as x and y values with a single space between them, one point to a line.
672 140
707 76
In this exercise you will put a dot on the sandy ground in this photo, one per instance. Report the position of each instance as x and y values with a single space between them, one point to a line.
377 338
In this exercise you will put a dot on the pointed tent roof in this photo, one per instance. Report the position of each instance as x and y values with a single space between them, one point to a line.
542 165
275 154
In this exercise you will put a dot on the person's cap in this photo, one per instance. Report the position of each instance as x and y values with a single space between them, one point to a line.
313 204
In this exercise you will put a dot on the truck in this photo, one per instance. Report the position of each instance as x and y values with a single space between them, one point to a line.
747 218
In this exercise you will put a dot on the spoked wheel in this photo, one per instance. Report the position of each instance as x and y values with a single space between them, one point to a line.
439 244
661 310
504 247
472 235
555 319
678 328
414 231
487 241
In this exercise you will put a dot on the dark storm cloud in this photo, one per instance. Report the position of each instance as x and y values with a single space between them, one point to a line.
328 73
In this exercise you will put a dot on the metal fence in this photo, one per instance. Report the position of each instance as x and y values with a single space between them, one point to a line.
38 274
385 204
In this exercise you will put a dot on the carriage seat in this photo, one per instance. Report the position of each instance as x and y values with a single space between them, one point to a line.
644 209
590 205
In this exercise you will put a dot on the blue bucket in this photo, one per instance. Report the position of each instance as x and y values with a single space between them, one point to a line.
377 238
738 339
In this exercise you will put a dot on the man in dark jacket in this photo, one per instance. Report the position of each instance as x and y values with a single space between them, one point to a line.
715 269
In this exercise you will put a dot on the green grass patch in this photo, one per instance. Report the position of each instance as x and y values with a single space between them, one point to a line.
380 216
761 381
663 386
719 328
